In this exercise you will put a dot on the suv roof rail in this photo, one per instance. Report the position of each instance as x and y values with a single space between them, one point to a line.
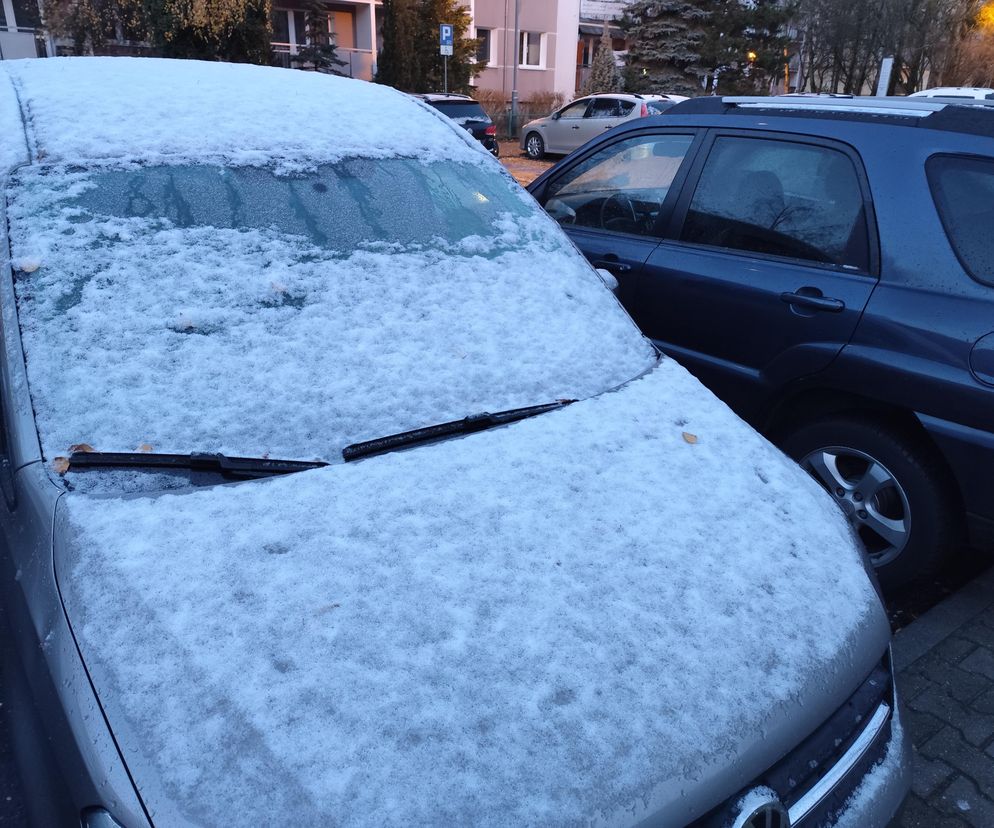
971 116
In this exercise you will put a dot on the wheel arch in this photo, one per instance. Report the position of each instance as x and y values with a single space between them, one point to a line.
812 404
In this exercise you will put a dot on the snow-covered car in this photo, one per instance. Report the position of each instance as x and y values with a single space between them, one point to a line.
264 559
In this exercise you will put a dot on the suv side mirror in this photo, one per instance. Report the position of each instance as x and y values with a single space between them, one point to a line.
556 116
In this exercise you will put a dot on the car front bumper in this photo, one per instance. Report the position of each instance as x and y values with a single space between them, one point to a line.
880 794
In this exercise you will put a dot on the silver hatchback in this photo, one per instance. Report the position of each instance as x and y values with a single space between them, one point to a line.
584 119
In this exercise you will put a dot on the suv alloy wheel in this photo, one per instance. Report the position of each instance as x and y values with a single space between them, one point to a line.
893 490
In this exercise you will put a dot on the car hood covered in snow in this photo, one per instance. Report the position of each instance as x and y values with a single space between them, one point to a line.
590 617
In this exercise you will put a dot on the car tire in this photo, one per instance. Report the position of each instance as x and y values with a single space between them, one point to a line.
534 146
893 488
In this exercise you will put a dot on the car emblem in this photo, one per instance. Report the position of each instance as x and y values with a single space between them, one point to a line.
761 809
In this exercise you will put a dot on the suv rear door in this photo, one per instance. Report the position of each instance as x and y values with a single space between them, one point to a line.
614 200
769 260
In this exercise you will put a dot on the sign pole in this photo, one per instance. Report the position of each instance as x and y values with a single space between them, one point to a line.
446 39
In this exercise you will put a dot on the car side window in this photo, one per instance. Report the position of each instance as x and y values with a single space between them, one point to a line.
625 108
604 108
780 198
963 190
575 110
621 187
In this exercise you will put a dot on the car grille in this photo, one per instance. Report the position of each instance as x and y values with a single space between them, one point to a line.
815 780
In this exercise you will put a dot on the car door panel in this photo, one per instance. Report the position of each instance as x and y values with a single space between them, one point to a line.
560 132
613 200
734 293
728 321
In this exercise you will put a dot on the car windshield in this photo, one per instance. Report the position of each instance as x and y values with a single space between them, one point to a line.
288 313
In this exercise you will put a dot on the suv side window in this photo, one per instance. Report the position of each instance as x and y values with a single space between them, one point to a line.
963 190
780 198
621 187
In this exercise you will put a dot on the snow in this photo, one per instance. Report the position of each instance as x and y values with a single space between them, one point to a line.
565 620
145 108
885 777
294 332
13 149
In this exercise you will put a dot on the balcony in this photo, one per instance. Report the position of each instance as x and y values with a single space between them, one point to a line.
19 42
360 63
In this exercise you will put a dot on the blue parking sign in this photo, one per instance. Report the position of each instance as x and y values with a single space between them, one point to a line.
445 38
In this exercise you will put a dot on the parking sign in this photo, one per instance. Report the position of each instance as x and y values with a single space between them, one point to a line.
445 38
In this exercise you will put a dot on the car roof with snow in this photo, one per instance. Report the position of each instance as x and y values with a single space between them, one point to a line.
143 108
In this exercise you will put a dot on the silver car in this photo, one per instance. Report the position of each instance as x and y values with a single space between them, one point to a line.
584 119
339 489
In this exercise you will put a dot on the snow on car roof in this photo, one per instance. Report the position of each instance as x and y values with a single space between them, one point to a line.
565 621
145 108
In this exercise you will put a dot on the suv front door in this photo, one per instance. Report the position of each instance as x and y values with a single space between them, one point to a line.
614 200
769 260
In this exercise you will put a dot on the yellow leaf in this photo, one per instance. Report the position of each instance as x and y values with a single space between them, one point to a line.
60 465
81 448
690 438
145 448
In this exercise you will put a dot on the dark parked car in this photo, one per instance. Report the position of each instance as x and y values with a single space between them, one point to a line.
468 114
827 268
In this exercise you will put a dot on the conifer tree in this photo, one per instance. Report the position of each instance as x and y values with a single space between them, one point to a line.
667 39
604 75
319 52
410 60
397 58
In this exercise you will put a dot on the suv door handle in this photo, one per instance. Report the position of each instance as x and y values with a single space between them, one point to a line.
613 266
574 127
812 299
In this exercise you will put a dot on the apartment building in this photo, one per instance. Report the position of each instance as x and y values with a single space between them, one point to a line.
548 33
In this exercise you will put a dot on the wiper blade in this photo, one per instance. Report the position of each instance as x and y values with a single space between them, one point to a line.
240 468
467 425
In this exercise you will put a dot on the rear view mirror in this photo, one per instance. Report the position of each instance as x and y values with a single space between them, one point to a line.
556 116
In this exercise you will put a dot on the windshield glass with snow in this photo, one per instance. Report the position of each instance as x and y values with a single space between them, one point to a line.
263 312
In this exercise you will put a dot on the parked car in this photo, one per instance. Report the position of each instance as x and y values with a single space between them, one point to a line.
824 266
263 559
586 118
469 114
965 92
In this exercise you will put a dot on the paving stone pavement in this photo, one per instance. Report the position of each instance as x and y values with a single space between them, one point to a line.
945 676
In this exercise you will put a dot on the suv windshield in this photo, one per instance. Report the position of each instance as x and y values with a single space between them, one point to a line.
257 312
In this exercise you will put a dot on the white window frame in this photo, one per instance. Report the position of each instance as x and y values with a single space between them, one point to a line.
523 51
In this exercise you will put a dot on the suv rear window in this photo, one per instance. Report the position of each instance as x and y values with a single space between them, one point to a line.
461 111
963 189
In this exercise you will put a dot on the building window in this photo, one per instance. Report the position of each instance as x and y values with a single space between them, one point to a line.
26 14
281 26
483 49
531 49
299 29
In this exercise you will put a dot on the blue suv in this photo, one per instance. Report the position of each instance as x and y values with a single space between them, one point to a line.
825 266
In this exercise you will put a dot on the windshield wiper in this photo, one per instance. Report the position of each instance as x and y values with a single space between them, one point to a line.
240 468
467 425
